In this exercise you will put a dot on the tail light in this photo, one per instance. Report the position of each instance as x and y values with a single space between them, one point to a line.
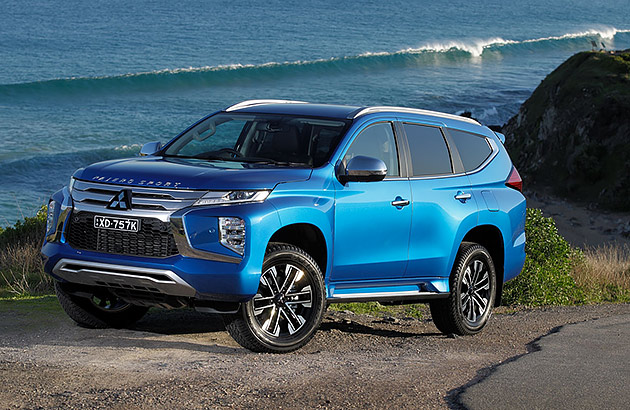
514 181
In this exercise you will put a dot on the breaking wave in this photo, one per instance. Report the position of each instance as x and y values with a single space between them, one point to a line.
193 77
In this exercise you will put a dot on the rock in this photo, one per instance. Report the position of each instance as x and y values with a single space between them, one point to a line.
573 133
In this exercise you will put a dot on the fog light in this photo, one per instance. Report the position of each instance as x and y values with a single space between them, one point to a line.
50 216
232 234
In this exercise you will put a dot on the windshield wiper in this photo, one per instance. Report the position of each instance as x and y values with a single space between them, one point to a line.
273 161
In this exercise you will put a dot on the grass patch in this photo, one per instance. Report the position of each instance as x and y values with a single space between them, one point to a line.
31 304
417 311
604 273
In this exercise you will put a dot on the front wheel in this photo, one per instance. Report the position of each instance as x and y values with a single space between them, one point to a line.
473 291
288 307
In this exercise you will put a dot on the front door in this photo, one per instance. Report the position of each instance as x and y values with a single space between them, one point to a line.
372 219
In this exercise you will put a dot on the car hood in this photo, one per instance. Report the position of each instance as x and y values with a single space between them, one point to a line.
184 173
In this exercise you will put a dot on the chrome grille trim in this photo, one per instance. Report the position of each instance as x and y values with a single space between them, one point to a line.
123 277
97 196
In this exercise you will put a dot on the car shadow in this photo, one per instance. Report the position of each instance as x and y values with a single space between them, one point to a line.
179 322
354 327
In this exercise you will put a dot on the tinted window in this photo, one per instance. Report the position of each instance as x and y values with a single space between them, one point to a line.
429 153
473 149
376 141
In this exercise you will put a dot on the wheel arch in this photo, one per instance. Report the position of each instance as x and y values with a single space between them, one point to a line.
490 237
307 237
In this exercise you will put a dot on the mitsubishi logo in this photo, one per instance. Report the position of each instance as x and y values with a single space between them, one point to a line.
121 200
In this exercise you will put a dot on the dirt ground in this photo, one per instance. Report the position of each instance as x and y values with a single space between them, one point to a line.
184 359
580 224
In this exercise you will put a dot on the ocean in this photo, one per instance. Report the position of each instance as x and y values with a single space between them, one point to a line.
83 81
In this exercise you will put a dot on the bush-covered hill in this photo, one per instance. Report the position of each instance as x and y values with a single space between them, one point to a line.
573 133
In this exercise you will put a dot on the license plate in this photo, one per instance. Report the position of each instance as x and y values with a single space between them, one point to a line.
116 224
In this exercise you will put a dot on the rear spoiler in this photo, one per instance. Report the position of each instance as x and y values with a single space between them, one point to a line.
496 129
501 137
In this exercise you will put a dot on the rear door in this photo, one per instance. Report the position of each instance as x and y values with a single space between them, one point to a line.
442 204
372 234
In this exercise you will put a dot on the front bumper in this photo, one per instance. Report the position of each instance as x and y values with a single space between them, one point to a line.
203 269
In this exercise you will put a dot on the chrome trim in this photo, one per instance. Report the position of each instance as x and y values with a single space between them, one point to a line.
155 201
65 207
402 202
186 249
391 296
94 197
463 196
252 103
134 213
372 110
123 277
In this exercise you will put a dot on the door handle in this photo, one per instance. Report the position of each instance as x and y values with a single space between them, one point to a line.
462 196
399 202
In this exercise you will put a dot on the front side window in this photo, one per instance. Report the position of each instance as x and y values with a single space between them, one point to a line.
278 139
376 141
429 153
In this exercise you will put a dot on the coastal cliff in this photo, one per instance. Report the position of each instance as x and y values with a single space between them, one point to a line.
573 133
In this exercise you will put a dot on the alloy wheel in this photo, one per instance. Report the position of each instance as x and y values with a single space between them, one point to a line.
284 300
475 291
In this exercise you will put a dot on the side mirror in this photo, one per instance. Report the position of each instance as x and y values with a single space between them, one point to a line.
150 148
363 169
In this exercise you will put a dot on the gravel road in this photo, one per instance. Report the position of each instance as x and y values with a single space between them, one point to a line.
184 359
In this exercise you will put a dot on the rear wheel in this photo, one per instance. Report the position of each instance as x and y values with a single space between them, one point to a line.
473 291
98 310
288 307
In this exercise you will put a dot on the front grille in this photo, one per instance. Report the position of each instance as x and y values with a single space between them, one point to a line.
154 238
97 195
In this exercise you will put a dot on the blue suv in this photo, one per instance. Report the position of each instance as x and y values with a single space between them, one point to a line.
270 210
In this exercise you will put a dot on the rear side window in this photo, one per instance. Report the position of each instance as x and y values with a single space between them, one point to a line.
473 149
429 153
376 141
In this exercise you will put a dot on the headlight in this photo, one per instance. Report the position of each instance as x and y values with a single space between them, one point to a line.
232 197
50 216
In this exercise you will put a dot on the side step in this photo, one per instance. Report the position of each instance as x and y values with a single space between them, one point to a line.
417 293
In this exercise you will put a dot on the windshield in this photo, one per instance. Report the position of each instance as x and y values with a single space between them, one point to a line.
277 139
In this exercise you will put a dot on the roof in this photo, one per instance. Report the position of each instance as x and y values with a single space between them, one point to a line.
331 110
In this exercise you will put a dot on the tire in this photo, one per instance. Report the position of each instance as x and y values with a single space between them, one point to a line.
468 308
288 308
99 311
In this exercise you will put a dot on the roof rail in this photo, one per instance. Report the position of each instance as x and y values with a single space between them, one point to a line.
251 103
372 110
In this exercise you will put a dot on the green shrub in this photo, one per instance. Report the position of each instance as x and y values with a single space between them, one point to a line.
21 268
28 230
546 277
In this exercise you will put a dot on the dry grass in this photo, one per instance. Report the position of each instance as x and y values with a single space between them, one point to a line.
22 271
605 269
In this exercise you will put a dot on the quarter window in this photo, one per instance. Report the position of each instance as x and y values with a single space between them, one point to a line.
429 153
473 149
376 141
